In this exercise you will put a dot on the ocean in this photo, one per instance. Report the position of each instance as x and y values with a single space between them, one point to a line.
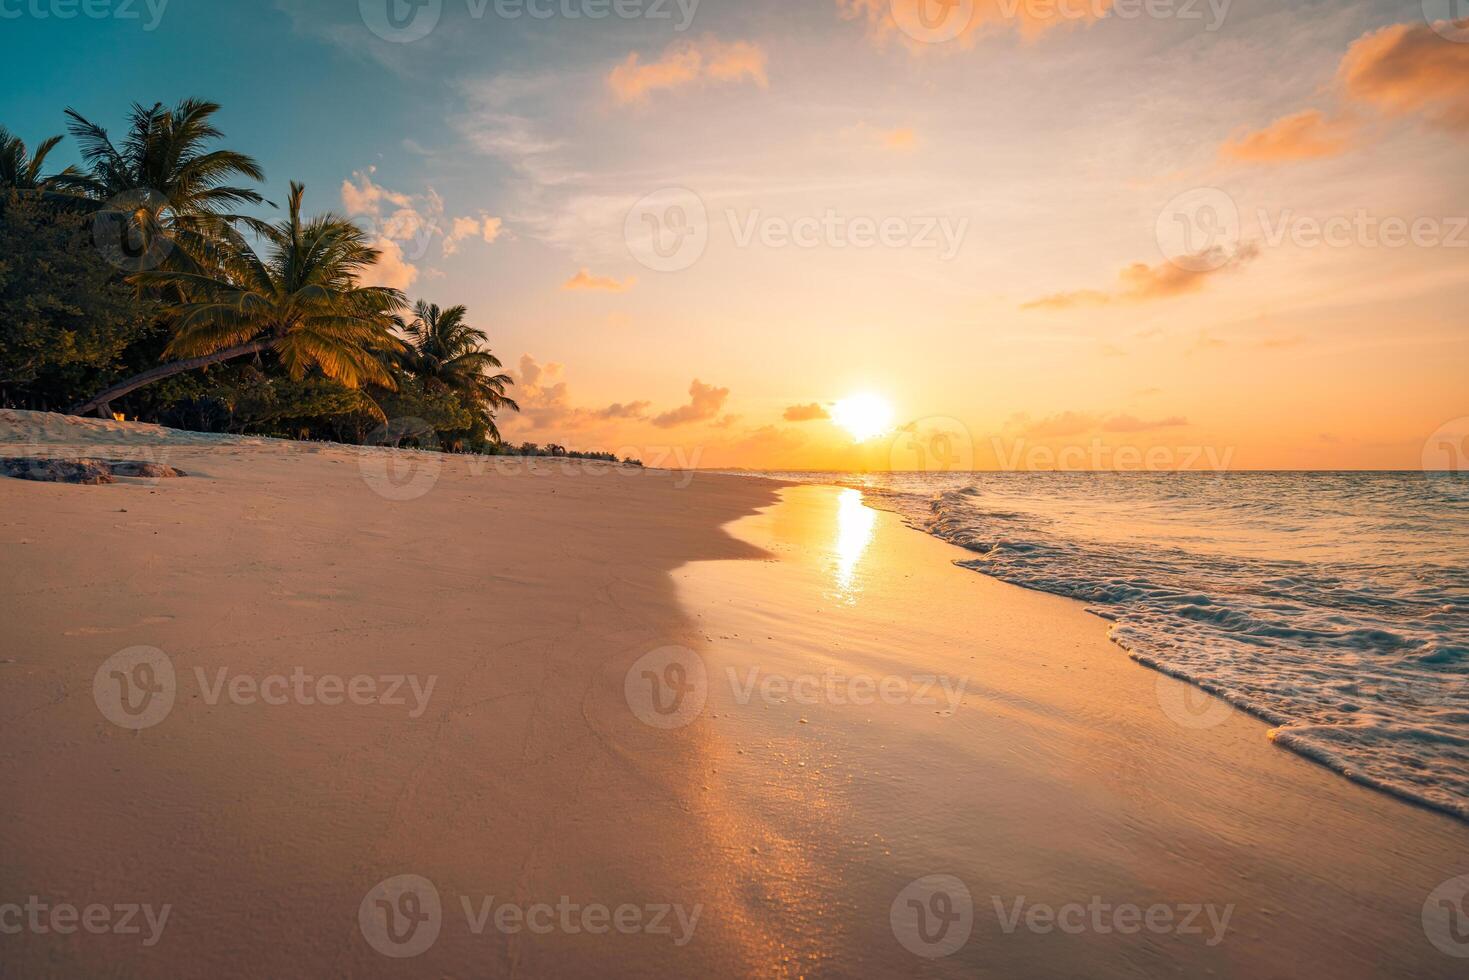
1333 605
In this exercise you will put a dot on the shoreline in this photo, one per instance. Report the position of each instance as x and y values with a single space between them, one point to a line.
536 761
1281 732
1066 772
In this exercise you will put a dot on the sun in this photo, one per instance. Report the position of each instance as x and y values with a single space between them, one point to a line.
864 416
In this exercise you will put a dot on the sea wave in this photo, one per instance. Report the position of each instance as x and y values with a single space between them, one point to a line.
1334 606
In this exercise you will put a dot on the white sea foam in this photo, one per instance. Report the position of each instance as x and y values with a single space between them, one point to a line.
1333 605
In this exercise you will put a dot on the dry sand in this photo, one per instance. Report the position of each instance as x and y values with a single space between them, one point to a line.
543 601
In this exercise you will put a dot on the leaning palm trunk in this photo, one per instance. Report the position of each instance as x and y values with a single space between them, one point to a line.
99 402
301 300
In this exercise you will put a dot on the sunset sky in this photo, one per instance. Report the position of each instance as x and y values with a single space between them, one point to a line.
991 243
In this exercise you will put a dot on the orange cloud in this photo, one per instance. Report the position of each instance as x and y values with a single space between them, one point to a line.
391 269
484 227
705 402
545 403
1131 423
806 413
925 24
584 280
1306 135
687 62
1409 69
1401 70
1142 282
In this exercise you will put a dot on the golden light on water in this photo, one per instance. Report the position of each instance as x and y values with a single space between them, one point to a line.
864 416
855 524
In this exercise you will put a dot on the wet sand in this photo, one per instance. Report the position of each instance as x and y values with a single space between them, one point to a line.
566 782
1068 776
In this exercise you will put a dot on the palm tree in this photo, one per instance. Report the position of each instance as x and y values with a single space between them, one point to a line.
20 169
301 302
163 181
447 354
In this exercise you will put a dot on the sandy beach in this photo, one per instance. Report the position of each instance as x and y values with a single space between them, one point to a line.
315 709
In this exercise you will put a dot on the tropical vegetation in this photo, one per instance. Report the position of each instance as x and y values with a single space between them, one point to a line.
144 283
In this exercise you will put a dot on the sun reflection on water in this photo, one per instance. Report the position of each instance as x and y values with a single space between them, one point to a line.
855 524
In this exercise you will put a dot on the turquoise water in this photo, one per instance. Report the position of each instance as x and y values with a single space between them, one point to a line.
1333 605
